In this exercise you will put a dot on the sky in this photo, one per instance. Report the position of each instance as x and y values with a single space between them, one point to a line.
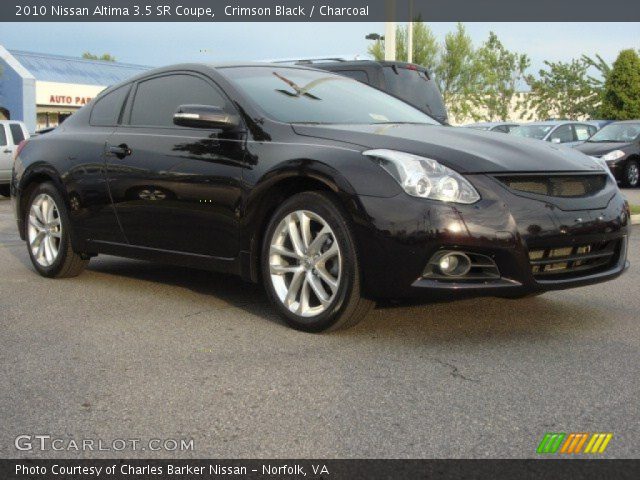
157 44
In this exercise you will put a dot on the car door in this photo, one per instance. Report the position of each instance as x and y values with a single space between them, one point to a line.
85 179
6 154
176 188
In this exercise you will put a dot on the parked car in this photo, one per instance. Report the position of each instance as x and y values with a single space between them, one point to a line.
412 83
11 134
331 193
618 144
503 127
566 132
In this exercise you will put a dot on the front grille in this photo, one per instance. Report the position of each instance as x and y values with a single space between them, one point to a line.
556 185
573 261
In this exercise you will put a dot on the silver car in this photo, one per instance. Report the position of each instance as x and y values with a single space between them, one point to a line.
566 132
11 134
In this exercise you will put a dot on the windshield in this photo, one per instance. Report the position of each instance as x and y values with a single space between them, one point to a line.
307 96
617 132
532 131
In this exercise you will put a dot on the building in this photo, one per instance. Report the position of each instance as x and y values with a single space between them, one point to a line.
42 89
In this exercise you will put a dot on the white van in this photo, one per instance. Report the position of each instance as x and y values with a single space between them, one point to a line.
11 134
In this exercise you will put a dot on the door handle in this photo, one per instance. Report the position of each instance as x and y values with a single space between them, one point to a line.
119 151
7 151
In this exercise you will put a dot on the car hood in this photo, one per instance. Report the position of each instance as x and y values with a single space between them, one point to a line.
598 149
462 149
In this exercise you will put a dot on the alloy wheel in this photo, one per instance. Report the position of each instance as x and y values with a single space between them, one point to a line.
633 174
305 263
44 230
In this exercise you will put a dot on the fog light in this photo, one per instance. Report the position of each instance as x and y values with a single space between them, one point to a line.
454 264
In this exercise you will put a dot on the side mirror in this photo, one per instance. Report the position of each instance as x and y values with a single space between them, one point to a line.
204 116
555 140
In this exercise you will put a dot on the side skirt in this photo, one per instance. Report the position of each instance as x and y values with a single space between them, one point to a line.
171 257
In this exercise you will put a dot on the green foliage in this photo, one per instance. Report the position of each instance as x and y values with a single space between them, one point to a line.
107 57
500 71
562 90
621 98
457 73
464 80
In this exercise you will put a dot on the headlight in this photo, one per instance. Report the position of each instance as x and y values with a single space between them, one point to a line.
424 177
615 155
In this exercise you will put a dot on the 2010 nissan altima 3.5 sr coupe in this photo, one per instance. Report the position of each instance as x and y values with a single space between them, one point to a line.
330 192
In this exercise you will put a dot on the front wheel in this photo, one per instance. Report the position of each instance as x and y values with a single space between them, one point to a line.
48 240
631 174
4 190
310 265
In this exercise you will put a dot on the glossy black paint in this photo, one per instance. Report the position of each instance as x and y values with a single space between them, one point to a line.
202 197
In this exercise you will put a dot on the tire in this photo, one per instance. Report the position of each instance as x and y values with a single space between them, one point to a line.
324 264
49 261
4 190
631 175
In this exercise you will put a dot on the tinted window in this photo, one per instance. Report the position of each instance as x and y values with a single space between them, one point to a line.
107 109
501 128
3 137
359 75
158 99
414 87
564 133
309 96
16 133
583 132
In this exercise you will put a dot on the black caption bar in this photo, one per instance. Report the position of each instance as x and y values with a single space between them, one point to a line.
30 469
317 10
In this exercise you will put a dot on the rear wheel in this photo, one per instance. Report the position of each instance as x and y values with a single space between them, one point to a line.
310 265
48 241
4 190
631 174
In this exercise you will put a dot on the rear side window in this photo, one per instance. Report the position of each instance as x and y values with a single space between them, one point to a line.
16 133
106 111
3 137
158 99
359 75
583 132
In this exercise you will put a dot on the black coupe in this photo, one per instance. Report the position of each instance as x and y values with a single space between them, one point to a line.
330 192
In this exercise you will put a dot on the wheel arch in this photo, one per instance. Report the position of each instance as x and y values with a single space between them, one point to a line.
276 187
33 176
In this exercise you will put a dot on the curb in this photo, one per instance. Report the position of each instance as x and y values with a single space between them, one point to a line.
635 219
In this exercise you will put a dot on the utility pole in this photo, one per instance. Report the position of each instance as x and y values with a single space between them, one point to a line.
390 31
410 34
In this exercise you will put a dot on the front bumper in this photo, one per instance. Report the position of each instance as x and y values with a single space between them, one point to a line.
397 237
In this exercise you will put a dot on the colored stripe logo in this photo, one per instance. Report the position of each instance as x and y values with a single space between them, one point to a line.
574 443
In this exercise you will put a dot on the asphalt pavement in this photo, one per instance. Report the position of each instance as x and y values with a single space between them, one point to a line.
133 350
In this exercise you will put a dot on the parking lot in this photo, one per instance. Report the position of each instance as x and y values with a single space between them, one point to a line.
137 350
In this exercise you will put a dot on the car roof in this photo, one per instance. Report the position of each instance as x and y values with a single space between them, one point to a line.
553 123
625 121
490 124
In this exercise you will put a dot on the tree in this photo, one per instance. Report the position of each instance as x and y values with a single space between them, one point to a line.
621 98
425 45
457 73
500 71
563 90
107 57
